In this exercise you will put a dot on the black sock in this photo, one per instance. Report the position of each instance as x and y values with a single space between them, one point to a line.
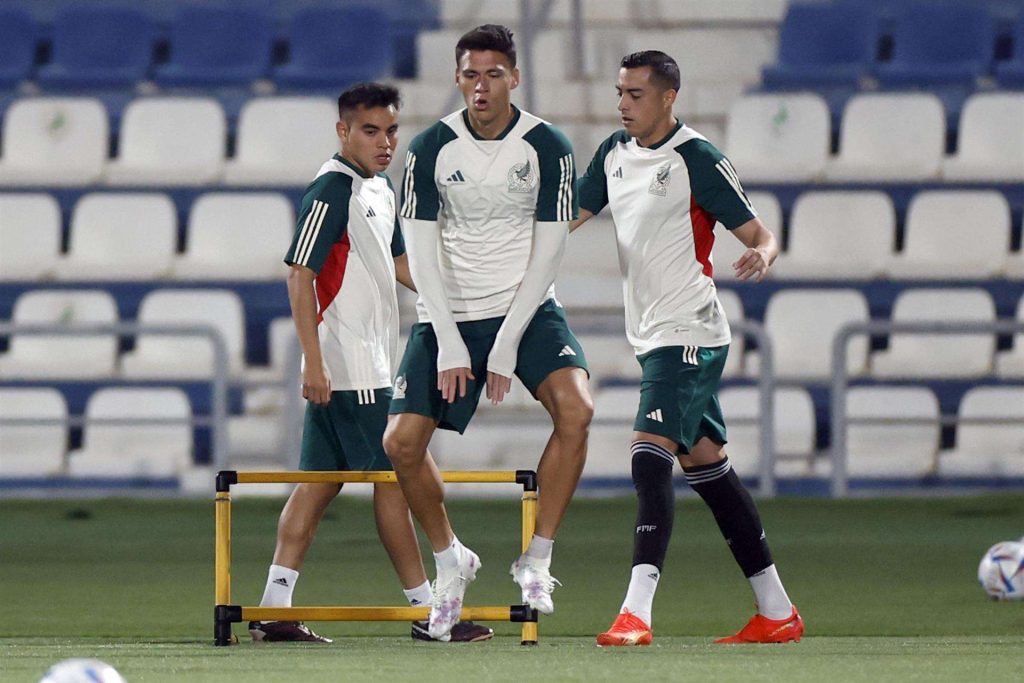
735 512
652 477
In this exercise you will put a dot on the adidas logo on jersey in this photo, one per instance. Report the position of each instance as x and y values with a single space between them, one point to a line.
617 173
566 351
371 213
655 415
456 177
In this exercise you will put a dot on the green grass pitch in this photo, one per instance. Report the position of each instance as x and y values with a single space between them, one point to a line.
887 588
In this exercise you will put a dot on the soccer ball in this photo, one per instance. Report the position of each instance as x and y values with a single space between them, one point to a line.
1001 572
82 671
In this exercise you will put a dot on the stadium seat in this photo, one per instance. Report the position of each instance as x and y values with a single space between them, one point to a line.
1010 363
56 141
890 137
824 45
332 48
803 324
728 248
99 47
991 140
283 141
435 55
984 445
939 356
18 35
793 425
170 141
839 235
121 237
217 46
32 450
609 356
237 236
939 44
889 447
740 52
191 357
589 276
937 245
1010 74
30 232
66 357
779 138
128 450
733 307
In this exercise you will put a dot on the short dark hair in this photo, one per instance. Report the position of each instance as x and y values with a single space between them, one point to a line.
488 37
368 95
664 69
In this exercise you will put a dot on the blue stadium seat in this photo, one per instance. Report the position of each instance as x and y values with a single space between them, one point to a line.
335 47
18 35
937 44
213 46
99 47
823 46
1010 74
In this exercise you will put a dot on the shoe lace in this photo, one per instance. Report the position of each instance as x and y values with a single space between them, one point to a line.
438 591
542 582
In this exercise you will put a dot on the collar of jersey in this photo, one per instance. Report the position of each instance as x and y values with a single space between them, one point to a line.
359 171
501 136
659 143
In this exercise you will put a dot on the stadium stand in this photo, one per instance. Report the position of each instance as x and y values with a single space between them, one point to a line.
18 35
991 141
30 232
988 438
54 141
32 450
779 137
882 447
1010 363
1010 73
793 429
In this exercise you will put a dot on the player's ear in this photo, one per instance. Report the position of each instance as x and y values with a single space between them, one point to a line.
341 128
515 79
670 97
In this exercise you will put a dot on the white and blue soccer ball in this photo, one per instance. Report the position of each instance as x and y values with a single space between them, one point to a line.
1001 572
82 671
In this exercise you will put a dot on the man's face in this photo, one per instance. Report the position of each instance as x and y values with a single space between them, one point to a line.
642 104
369 135
486 79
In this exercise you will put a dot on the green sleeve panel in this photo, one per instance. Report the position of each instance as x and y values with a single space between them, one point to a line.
323 220
397 241
592 188
556 198
420 198
715 184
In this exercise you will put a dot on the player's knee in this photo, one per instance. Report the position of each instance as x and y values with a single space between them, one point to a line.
573 414
402 449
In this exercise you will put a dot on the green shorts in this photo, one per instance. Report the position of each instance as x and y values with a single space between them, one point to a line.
679 394
347 433
547 345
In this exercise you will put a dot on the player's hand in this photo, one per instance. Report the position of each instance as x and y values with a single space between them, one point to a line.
752 264
498 387
452 383
316 385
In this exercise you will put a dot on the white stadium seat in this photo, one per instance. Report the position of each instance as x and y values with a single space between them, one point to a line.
732 56
892 449
793 425
733 307
984 446
609 356
841 234
779 138
66 357
1011 363
237 236
186 356
589 275
283 140
127 450
728 248
170 141
890 137
54 141
32 450
939 356
121 237
954 234
991 140
30 226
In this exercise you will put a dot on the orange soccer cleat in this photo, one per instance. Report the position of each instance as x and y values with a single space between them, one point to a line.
763 630
628 629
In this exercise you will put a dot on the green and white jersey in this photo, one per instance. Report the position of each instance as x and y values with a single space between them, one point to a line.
664 201
348 234
486 195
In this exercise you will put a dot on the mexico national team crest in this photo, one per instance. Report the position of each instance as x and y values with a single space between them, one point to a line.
400 385
521 178
659 184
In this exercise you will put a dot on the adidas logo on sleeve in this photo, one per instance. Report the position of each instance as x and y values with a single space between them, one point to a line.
655 415
456 177
566 351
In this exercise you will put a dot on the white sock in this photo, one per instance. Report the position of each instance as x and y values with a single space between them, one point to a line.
772 601
448 559
420 595
539 550
640 595
280 584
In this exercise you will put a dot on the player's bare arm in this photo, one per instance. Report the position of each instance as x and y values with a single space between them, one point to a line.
402 272
584 217
316 381
762 250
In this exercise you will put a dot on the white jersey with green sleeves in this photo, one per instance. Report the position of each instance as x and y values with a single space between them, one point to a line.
486 195
348 234
665 200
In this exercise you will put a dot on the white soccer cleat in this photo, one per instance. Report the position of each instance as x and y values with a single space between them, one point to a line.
448 591
536 582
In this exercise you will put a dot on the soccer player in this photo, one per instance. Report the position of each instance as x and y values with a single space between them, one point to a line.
486 204
345 258
666 186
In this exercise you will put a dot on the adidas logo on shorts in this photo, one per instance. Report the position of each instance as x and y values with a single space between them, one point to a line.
655 415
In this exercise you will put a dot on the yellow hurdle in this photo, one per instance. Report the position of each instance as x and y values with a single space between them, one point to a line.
226 613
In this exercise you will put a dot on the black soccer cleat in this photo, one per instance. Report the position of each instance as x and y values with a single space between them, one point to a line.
462 632
284 631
